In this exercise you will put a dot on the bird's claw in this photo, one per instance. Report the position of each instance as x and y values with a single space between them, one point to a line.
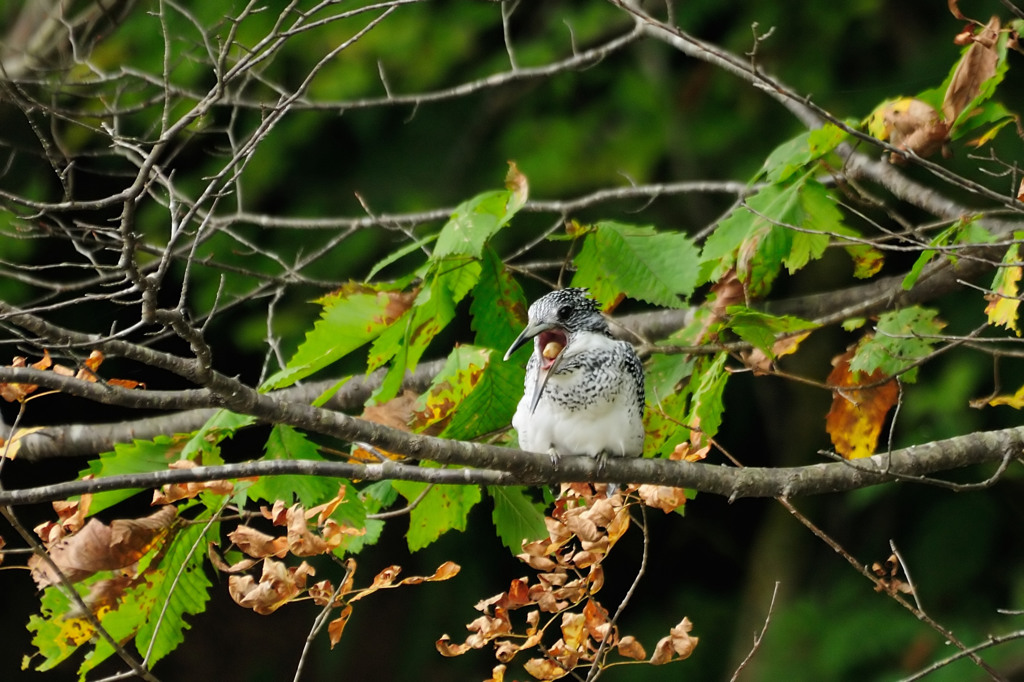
555 457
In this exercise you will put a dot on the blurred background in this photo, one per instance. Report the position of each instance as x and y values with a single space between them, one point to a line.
643 114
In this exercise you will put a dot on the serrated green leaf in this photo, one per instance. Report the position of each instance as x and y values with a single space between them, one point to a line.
761 330
443 508
902 337
459 376
202 448
492 402
499 305
178 587
516 516
285 442
140 456
759 238
795 154
405 342
663 374
819 217
665 423
706 407
1004 304
351 317
657 267
56 635
475 221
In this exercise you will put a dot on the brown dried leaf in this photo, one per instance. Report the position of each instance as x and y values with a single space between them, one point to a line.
396 413
662 497
445 647
631 648
544 669
596 619
337 626
574 630
98 547
977 66
258 544
505 650
221 565
915 126
682 642
497 674
302 541
172 492
277 586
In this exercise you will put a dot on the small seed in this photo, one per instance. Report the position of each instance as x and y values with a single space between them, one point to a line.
552 350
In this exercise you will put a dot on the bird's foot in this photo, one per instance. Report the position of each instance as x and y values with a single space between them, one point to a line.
555 457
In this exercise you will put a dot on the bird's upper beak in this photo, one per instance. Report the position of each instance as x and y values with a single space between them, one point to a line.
549 363
532 329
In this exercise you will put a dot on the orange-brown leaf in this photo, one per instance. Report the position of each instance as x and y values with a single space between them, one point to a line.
858 414
631 648
258 544
337 626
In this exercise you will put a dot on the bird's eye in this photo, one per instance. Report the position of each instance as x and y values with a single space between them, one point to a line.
564 312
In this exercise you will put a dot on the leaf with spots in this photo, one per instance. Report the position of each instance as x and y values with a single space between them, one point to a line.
403 343
902 338
860 402
1004 301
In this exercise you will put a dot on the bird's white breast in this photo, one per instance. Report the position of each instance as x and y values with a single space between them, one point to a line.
589 408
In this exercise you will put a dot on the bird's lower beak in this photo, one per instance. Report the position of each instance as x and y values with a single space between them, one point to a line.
531 331
542 380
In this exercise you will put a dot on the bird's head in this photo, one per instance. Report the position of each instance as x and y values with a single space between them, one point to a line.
554 319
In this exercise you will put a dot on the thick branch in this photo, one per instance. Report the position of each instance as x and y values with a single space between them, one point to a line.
506 466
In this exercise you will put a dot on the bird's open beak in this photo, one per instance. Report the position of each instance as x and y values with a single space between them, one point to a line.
531 331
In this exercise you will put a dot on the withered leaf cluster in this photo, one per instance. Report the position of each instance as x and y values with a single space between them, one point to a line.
560 602
279 584
15 392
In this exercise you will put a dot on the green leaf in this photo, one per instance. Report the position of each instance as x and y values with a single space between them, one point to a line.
203 448
491 403
647 265
405 342
963 231
708 384
794 155
284 442
759 238
475 221
761 329
499 305
141 456
516 516
462 371
665 423
178 587
902 337
443 508
351 317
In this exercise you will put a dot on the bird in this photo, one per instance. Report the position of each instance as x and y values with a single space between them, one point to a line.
584 389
